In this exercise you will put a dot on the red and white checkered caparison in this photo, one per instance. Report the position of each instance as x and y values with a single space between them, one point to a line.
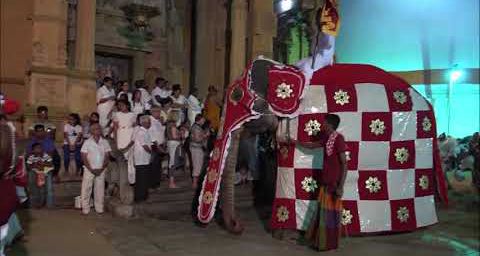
394 169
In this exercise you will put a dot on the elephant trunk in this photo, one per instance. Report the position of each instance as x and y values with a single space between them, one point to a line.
232 224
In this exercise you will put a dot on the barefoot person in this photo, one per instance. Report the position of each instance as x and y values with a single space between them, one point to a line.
324 231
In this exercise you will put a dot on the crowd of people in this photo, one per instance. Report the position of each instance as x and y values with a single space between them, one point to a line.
158 133
461 155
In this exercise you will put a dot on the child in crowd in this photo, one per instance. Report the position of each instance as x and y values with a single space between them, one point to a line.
40 166
72 142
95 154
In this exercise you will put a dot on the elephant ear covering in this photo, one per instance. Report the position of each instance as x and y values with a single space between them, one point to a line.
286 86
265 85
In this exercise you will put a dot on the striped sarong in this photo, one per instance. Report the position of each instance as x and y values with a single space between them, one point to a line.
324 231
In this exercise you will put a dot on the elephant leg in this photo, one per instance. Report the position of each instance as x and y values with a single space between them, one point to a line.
232 224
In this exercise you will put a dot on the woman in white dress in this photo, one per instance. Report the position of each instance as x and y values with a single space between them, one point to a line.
137 105
123 127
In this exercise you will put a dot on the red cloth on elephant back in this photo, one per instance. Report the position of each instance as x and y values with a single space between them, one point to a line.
8 199
393 168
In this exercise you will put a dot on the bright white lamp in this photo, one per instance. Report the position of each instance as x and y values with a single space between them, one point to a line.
286 5
455 75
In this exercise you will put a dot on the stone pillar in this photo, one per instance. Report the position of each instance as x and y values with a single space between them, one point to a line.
47 80
85 44
210 45
263 28
81 89
239 16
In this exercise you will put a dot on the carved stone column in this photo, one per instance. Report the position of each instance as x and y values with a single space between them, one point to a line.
47 80
239 18
263 28
85 45
210 45
81 88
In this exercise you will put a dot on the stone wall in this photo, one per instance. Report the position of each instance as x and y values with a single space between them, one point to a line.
163 56
15 46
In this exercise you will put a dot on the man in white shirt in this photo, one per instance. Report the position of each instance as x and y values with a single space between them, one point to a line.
194 106
157 131
95 154
105 103
142 154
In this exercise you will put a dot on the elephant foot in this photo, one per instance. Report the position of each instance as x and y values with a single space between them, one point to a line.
233 225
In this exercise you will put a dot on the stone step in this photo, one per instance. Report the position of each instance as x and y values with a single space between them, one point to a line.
164 203
180 210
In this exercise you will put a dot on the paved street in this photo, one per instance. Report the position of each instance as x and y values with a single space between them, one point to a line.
65 232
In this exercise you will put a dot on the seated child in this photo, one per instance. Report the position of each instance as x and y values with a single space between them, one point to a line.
40 167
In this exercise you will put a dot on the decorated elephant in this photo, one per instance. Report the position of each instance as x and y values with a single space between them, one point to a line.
393 162
394 170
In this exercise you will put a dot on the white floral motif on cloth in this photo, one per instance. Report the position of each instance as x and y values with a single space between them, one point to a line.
309 184
341 97
423 182
401 155
282 214
403 214
346 217
373 184
331 142
426 124
400 97
208 197
284 91
312 127
377 127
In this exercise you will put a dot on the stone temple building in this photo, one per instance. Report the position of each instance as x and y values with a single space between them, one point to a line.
55 52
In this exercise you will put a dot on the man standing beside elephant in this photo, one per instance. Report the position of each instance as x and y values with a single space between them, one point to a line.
324 231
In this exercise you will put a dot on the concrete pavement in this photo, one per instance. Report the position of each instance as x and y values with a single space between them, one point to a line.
65 232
